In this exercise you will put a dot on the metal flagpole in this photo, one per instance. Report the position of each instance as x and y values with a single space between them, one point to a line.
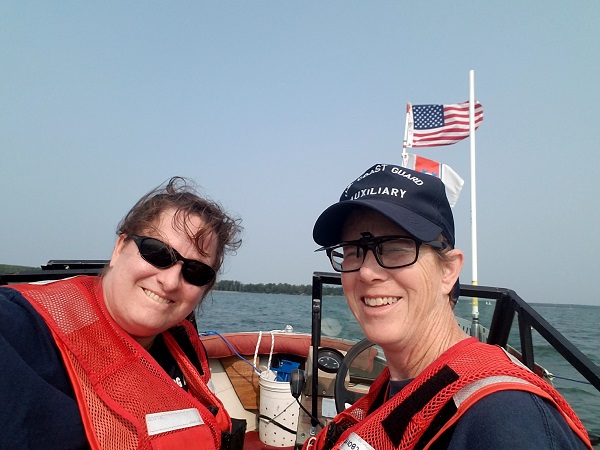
475 329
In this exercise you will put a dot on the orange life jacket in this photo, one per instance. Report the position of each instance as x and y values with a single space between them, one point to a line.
465 373
127 401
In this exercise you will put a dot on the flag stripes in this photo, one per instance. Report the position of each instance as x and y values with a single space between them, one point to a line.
437 125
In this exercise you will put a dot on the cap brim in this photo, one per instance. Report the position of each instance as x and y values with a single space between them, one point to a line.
328 227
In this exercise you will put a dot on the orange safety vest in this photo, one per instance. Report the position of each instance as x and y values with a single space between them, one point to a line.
127 401
465 373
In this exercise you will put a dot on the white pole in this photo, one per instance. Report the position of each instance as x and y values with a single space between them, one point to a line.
404 144
473 194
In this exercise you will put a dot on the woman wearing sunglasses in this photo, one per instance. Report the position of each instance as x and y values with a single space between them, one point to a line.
110 362
391 235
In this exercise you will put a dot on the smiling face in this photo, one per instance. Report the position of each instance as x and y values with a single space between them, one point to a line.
399 309
145 300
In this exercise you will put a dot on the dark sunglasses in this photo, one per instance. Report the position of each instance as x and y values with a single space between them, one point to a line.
163 256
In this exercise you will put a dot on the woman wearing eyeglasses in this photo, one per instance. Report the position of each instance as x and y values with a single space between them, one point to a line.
111 362
391 235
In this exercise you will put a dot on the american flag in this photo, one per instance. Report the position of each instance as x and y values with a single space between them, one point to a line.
436 125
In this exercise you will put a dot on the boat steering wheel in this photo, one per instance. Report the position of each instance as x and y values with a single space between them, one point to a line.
341 394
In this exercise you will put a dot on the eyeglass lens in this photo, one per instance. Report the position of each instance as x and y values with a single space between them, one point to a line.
390 253
162 256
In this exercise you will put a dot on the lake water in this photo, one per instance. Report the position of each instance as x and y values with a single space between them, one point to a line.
232 311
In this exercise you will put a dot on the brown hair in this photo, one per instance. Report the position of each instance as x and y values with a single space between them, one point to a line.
180 193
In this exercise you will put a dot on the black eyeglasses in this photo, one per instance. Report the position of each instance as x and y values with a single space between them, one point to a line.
391 252
163 256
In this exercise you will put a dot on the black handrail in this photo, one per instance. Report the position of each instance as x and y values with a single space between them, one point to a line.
56 270
508 304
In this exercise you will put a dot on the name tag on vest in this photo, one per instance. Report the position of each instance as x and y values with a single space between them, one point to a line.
172 420
355 442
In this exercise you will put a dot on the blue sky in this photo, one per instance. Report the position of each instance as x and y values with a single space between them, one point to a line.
273 107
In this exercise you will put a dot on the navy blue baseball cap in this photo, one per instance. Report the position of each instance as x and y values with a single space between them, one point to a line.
414 201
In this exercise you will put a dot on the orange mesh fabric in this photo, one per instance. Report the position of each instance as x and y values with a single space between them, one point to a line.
196 384
472 361
115 379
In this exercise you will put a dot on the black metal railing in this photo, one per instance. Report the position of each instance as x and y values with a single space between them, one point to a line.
56 270
508 305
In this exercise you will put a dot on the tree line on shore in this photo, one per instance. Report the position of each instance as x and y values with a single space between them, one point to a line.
225 285
274 288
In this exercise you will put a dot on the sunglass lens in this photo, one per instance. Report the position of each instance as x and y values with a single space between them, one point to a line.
157 253
162 256
197 273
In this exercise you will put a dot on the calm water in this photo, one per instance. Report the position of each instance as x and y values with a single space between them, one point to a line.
228 312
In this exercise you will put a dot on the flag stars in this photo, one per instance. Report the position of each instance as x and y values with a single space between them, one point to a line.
428 116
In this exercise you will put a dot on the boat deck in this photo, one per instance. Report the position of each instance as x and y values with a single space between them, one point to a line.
252 442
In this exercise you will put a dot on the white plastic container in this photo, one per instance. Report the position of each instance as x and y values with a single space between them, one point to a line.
276 406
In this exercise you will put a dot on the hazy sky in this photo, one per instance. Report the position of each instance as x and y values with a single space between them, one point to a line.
274 107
